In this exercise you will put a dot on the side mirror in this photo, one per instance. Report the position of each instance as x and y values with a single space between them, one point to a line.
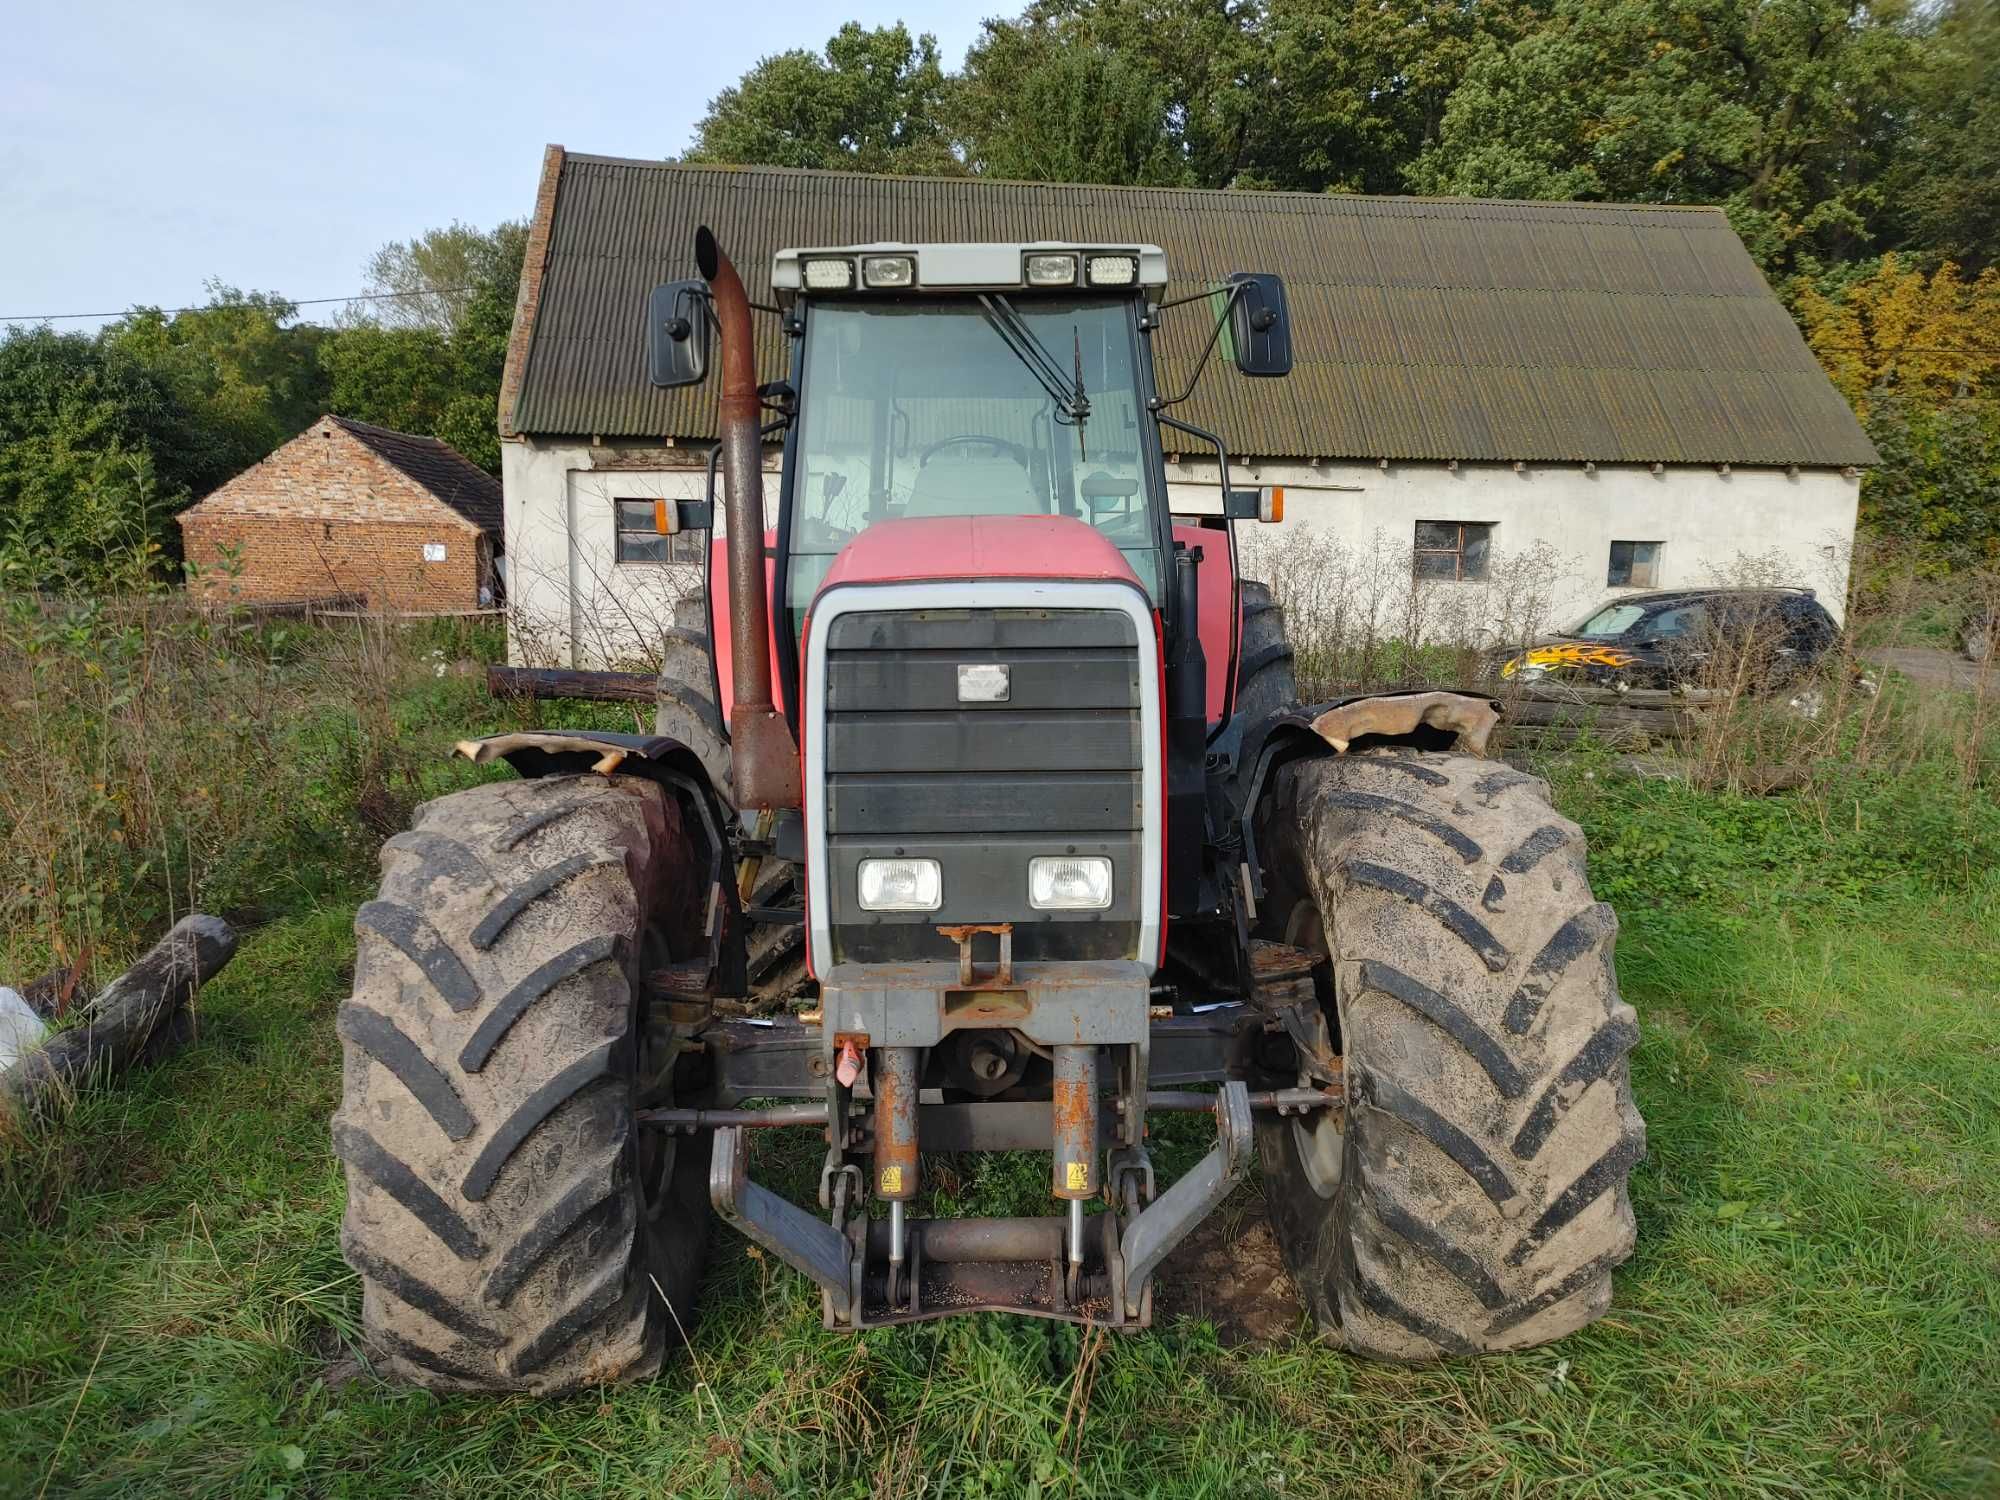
677 333
1260 326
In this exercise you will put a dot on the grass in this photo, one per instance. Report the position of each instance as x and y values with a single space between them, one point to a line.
1814 1306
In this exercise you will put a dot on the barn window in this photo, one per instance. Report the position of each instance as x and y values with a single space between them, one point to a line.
433 551
1634 565
641 541
1453 549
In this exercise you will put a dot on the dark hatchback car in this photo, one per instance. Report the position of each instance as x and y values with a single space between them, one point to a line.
1682 636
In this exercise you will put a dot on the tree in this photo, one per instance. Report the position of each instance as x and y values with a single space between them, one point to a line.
1197 70
1929 338
1359 90
1785 112
434 381
1947 186
96 451
1039 110
872 102
1938 485
431 281
247 374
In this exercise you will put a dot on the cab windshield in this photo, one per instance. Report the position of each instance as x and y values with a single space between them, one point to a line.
995 406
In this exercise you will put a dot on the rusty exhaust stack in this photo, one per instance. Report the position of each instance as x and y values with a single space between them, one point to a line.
764 759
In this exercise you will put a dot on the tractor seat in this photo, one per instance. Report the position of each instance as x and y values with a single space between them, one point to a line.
963 485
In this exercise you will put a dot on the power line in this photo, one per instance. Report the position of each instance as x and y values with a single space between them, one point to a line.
442 291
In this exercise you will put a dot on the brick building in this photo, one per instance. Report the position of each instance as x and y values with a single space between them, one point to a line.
346 509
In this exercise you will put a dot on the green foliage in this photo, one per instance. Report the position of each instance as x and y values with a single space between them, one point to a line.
1041 109
437 279
872 102
434 368
1947 186
1360 91
1197 71
245 372
1938 487
96 451
1786 113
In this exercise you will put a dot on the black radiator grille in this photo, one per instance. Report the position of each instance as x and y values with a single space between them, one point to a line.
983 787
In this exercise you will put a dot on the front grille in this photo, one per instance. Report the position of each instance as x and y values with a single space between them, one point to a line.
983 787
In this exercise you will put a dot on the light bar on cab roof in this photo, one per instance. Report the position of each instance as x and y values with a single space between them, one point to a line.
1033 265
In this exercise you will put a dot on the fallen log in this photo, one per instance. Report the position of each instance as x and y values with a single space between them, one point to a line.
139 1015
567 682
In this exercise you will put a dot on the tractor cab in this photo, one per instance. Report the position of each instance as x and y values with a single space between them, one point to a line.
971 380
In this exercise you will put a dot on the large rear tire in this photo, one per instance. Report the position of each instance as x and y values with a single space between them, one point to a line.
1473 1196
1266 679
512 1229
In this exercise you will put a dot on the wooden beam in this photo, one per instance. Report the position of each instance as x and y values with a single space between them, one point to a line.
141 1014
566 682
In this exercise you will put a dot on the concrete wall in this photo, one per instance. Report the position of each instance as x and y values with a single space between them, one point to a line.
1553 529
1553 524
571 602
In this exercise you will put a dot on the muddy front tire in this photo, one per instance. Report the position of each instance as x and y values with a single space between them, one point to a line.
1473 1196
512 1229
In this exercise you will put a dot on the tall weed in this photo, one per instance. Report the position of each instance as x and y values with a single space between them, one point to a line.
156 758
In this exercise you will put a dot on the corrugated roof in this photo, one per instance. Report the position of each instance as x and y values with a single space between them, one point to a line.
1424 328
439 468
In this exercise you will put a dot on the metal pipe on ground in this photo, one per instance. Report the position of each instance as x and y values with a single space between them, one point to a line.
957 1241
764 759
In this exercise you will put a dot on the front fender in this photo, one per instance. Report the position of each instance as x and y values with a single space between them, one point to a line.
1422 718
535 753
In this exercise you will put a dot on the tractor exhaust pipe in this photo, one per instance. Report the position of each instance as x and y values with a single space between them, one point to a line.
764 759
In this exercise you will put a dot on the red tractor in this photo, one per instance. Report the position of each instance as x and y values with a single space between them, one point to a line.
987 822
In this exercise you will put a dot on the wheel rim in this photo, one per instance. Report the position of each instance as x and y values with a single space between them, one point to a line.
1319 1138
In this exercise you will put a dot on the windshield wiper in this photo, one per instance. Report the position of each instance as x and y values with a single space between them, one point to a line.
1068 394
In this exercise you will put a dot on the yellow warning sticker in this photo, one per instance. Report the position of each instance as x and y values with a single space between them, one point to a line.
892 1179
1078 1179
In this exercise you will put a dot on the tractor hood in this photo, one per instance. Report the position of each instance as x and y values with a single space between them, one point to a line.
935 549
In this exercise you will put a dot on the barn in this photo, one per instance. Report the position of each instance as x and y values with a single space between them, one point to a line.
1593 397
351 511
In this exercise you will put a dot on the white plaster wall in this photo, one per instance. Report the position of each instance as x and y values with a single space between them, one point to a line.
571 603
1750 525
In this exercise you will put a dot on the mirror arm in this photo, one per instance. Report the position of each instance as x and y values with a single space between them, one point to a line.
1221 453
1161 403
715 454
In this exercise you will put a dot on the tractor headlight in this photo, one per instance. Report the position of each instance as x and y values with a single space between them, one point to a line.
1067 883
901 885
888 270
1111 270
1051 270
829 275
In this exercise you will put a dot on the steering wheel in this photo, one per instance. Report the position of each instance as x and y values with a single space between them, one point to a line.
1014 451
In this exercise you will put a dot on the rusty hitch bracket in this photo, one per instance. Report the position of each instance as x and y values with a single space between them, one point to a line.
1170 1217
816 1250
1002 977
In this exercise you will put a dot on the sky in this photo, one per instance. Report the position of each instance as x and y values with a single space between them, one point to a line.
149 146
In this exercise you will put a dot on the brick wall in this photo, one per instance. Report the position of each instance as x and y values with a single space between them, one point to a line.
326 515
381 562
